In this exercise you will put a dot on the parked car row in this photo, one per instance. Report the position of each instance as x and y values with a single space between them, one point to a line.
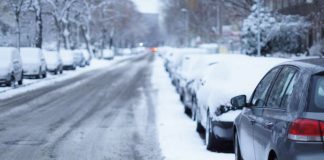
35 63
207 82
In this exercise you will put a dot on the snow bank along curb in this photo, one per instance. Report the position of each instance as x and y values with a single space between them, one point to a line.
177 134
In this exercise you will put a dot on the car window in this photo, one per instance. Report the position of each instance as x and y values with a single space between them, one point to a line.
260 93
289 93
317 94
281 86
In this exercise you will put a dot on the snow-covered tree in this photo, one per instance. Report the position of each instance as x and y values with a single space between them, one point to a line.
262 20
288 35
17 7
278 33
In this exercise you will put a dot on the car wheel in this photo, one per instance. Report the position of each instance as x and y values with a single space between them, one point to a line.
11 83
44 75
237 148
199 128
187 111
20 82
193 113
193 109
209 135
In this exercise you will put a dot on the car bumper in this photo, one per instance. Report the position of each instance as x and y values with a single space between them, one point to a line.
65 67
223 130
303 151
31 72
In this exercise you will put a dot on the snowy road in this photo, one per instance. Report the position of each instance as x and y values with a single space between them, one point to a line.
108 114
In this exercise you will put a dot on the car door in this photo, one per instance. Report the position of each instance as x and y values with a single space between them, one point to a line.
272 120
248 115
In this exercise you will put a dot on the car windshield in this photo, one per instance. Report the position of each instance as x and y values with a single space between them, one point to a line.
5 58
29 55
317 94
51 57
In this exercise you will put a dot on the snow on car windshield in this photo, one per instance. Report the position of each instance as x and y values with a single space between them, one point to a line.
29 55
51 57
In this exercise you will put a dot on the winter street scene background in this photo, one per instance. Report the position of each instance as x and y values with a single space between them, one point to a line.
161 79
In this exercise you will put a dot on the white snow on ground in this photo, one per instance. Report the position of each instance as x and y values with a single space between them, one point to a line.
33 84
177 136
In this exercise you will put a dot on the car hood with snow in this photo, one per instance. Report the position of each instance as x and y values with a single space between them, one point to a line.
232 76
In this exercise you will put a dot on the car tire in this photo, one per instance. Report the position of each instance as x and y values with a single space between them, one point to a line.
193 109
20 82
193 113
210 138
200 128
11 83
39 76
237 149
44 75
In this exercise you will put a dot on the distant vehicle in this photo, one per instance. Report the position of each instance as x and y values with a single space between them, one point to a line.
34 63
54 62
79 58
68 60
108 54
284 117
11 70
212 48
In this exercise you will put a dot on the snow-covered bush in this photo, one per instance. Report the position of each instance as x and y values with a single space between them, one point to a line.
317 49
250 29
288 35
279 33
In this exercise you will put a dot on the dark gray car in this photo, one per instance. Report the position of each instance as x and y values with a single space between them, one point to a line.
284 118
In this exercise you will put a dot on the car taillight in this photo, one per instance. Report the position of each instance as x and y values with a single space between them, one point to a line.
306 130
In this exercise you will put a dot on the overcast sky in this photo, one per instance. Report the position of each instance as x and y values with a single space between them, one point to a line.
148 6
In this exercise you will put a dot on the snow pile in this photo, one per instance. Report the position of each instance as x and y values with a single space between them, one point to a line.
177 136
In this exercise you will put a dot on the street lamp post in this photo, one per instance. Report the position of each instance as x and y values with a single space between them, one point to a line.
259 28
186 25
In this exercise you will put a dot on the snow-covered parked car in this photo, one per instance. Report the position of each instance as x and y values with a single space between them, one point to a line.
87 56
11 70
233 76
191 70
176 59
79 58
108 54
34 63
54 61
68 60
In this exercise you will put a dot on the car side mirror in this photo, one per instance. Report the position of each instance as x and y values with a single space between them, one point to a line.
239 101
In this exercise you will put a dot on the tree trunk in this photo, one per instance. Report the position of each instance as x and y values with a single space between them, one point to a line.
17 16
85 35
39 25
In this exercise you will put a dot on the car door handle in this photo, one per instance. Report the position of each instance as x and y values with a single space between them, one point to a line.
251 119
268 124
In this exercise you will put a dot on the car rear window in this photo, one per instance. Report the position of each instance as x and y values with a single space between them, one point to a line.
317 94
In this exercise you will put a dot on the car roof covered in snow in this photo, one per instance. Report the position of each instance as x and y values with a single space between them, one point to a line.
311 65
